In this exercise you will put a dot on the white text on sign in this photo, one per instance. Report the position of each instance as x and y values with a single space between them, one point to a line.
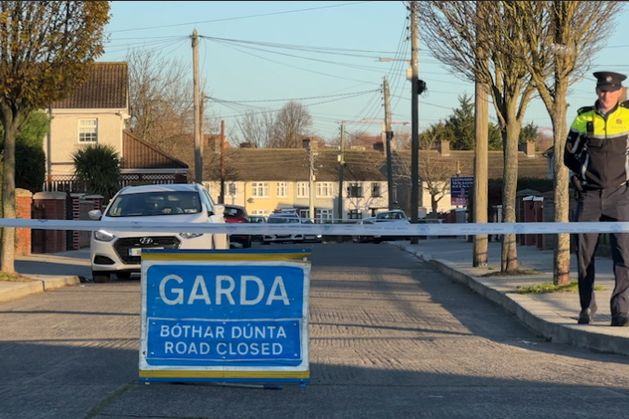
252 291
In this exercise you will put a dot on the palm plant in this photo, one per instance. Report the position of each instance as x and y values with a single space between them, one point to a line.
97 167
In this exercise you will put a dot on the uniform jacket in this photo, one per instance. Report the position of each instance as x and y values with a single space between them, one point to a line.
597 148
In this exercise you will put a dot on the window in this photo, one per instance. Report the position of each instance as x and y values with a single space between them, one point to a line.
324 214
282 190
260 189
232 189
324 189
88 131
355 214
375 190
355 190
302 189
304 213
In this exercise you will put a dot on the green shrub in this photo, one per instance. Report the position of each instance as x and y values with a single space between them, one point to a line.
98 168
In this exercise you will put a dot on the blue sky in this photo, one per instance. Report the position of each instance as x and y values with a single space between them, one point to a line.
342 82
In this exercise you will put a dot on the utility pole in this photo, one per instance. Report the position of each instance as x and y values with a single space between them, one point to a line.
341 160
221 198
415 91
198 133
309 146
481 185
389 136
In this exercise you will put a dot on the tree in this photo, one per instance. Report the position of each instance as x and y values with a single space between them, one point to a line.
256 128
528 133
160 103
559 38
45 48
458 128
434 173
450 30
30 159
291 126
97 167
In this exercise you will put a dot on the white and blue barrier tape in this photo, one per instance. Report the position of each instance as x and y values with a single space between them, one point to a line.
382 229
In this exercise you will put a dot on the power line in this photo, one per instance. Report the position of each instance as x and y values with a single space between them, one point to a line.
226 19
362 92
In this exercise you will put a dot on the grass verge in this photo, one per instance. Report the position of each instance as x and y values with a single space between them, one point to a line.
13 277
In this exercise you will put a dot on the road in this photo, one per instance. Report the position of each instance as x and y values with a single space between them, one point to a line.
389 337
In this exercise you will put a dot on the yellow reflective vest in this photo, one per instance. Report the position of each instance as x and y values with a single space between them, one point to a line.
597 148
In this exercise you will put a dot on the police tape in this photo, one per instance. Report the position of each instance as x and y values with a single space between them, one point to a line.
379 229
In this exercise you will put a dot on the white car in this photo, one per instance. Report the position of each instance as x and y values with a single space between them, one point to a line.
283 218
396 217
120 252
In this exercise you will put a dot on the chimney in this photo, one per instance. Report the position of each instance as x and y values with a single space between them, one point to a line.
444 148
530 149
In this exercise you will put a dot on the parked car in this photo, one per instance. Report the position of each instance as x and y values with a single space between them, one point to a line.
257 219
397 217
119 252
364 238
311 237
283 218
237 214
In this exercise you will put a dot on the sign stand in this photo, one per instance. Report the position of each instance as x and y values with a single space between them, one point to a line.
228 316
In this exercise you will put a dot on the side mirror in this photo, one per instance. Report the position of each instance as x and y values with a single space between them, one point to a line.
95 214
219 210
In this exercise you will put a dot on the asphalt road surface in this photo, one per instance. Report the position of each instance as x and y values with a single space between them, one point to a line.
389 338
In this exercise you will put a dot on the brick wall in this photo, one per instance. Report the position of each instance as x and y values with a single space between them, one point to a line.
23 203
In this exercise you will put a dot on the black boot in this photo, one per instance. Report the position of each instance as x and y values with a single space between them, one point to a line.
620 320
585 316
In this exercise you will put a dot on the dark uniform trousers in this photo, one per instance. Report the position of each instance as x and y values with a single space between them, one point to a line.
604 205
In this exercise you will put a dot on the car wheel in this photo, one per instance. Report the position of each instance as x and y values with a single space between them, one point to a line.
101 277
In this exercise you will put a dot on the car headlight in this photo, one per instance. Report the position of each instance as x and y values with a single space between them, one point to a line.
190 235
103 236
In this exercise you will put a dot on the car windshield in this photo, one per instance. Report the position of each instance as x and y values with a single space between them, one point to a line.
278 220
155 203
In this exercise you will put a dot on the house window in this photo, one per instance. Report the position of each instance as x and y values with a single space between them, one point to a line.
324 214
88 131
324 189
260 189
303 189
355 214
282 190
304 213
232 189
375 190
355 190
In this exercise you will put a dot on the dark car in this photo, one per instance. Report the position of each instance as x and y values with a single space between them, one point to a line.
237 214
257 219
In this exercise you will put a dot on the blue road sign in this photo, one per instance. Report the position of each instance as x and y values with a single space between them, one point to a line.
460 189
216 316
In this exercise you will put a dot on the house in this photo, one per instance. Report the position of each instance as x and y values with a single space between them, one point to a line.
97 112
264 180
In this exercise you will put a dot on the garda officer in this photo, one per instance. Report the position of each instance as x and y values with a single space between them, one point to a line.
596 154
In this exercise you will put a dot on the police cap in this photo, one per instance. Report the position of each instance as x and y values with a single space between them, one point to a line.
608 80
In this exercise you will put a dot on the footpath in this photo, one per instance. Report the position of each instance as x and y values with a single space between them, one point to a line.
552 315
48 272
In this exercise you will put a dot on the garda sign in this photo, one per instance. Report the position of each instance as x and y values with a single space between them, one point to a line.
225 316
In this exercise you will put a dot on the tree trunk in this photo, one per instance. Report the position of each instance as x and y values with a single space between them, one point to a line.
509 254
561 274
481 199
8 190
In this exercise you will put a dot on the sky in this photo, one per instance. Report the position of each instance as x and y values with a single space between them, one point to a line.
329 56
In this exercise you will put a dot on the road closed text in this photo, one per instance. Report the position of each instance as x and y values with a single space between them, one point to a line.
224 340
